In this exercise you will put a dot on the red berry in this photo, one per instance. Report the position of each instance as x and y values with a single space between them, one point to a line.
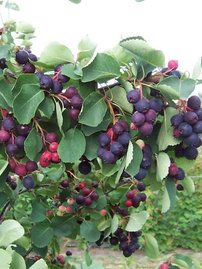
70 201
103 212
46 156
128 203
173 170
82 185
55 158
53 147
133 126
173 64
5 112
164 266
20 170
12 164
4 136
130 194
61 259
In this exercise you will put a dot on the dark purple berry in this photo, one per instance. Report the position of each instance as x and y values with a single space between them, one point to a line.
117 148
94 196
11 149
180 187
70 92
194 102
124 138
142 196
28 68
51 137
199 113
28 182
46 82
141 186
190 152
138 118
192 140
74 114
141 174
68 253
3 64
108 157
133 96
181 174
197 128
22 57
32 57
185 129
23 129
146 129
31 166
190 117
118 128
57 87
8 123
176 120
156 104
150 116
19 141
142 106
88 201
84 167
80 199
104 140
76 101
65 183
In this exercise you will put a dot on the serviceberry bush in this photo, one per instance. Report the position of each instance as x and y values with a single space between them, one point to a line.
82 138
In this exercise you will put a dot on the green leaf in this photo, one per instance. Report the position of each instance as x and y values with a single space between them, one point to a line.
40 264
86 52
10 231
41 234
197 69
70 71
56 53
75 1
91 146
134 166
151 246
24 27
24 79
17 261
169 195
103 67
144 51
6 97
121 169
114 223
59 115
38 212
72 146
187 261
65 227
129 155
54 171
163 163
119 97
89 231
186 88
94 110
33 144
122 56
188 185
26 103
4 51
46 108
5 258
165 136
3 165
136 221
88 258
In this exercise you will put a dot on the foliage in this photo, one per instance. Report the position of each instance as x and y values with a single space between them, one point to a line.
74 159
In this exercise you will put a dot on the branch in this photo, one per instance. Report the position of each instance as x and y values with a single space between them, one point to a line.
4 211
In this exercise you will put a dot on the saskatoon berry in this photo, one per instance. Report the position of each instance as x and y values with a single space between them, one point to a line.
190 152
124 138
88 201
156 104
22 57
176 120
66 103
190 117
197 128
150 116
114 241
194 102
84 167
128 203
57 87
180 187
173 170
20 170
68 253
142 196
51 137
146 161
28 68
28 182
141 186
94 184
46 82
80 199
3 64
12 149
117 148
146 129
141 174
130 194
104 140
86 191
185 129
100 152
62 78
13 185
76 101
4 136
53 147
32 57
70 92
175 73
192 140
124 124
8 123
19 141
94 196
138 118
173 64
142 106
108 157
199 113
55 158
181 174
127 253
65 183
74 114
23 129
179 151
133 96
31 166
118 128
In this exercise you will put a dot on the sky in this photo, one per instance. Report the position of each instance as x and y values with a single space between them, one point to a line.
172 26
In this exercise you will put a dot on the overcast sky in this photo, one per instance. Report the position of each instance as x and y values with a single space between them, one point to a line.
173 26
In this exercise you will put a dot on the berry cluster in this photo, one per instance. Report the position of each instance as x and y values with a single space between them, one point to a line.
134 197
23 57
51 154
113 144
187 125
176 173
87 195
73 101
145 163
146 112
128 241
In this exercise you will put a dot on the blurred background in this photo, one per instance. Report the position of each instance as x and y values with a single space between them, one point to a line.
172 26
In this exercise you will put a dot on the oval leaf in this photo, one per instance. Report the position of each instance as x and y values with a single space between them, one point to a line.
26 102
136 221
17 261
10 231
72 146
89 231
56 53
41 235
151 246
5 258
40 264
33 144
134 165
163 163
94 110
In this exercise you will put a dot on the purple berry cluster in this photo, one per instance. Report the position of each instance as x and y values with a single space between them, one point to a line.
113 144
177 174
127 241
72 101
187 126
146 112
24 57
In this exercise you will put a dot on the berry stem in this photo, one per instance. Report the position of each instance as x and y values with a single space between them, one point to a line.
111 110
38 127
